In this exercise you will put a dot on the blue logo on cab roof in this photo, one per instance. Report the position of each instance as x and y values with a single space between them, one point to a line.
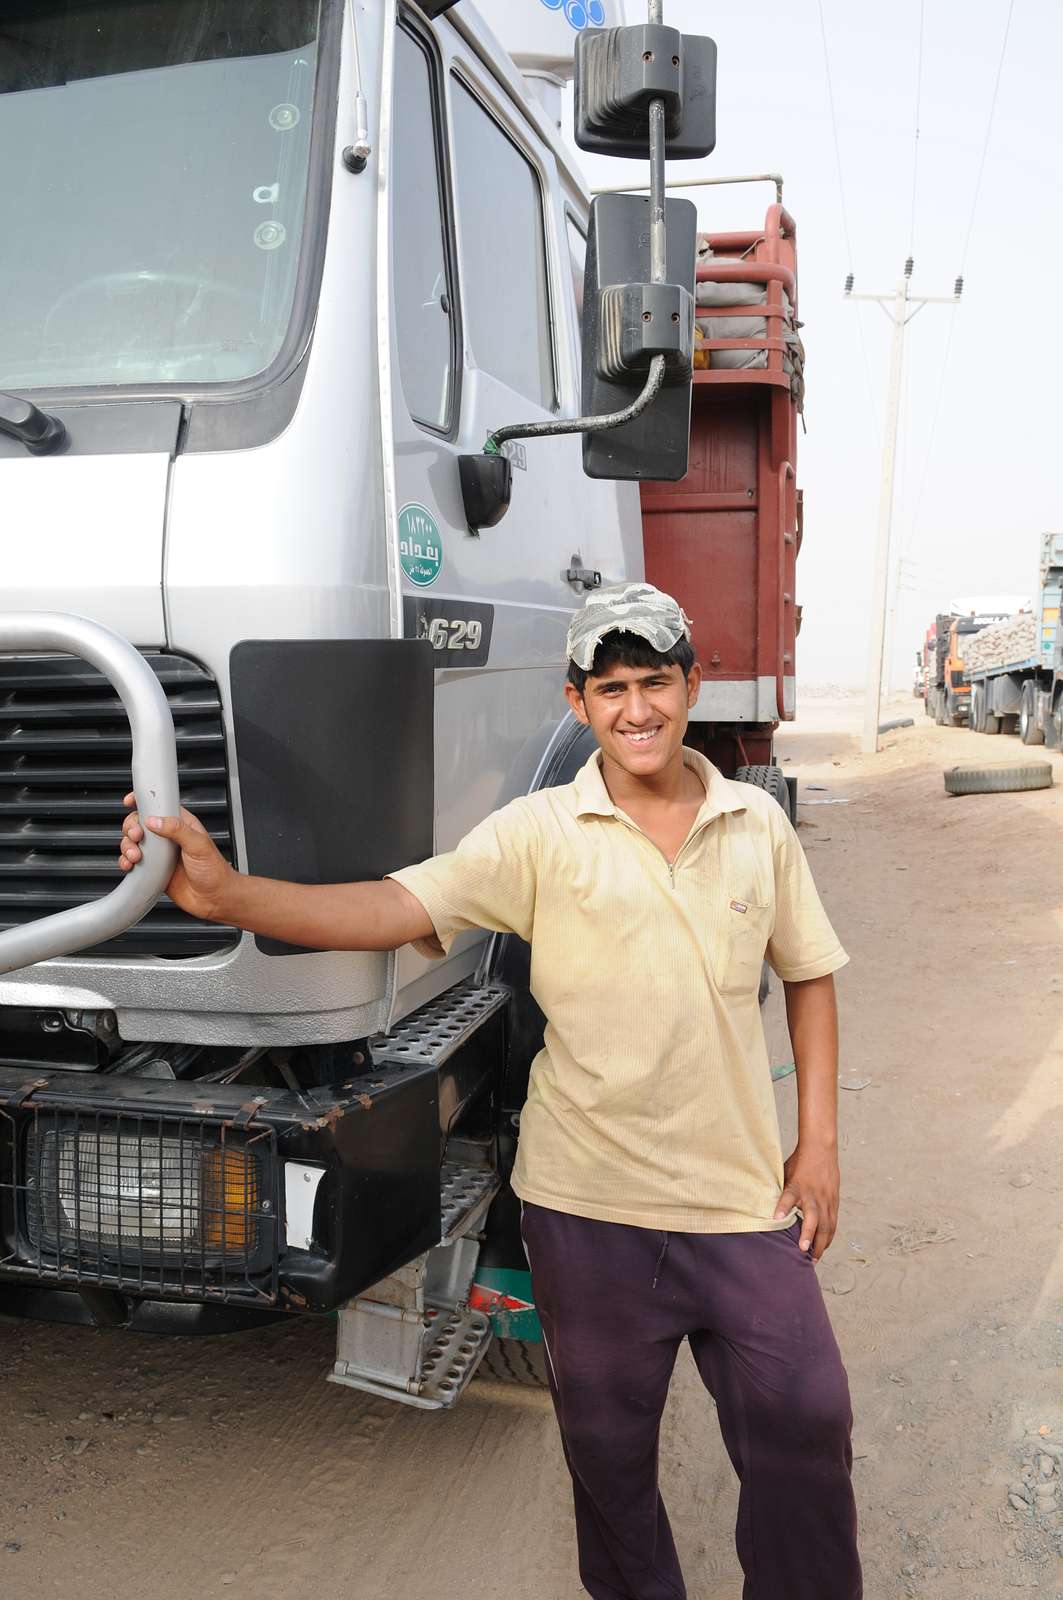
579 14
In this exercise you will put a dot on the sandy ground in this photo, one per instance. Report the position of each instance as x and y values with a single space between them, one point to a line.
147 1467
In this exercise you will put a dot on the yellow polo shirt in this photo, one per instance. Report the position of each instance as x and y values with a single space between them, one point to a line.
651 1101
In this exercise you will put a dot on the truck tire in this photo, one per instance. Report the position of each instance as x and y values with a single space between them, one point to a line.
1001 777
516 1361
941 708
1029 732
975 715
982 719
771 778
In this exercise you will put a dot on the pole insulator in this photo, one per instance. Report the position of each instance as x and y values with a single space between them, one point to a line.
849 284
958 287
908 265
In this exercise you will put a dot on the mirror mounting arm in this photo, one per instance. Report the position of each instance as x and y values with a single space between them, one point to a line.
612 419
486 480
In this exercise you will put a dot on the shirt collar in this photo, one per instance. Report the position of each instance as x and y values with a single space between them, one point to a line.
593 799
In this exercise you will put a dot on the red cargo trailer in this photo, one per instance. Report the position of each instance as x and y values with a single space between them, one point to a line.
725 538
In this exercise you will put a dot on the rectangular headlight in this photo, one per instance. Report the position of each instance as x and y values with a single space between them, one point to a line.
136 1192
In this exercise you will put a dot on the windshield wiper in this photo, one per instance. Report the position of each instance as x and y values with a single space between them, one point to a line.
38 431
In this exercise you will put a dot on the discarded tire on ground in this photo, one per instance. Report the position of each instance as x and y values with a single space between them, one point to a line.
515 1361
999 777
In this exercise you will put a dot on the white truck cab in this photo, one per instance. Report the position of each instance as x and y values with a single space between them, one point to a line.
267 364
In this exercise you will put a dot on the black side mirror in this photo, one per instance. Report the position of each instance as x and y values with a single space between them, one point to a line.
638 89
486 488
627 320
619 71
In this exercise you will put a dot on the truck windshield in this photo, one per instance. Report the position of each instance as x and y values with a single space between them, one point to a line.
153 176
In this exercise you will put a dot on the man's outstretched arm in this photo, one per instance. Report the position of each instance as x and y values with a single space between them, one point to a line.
331 916
811 1174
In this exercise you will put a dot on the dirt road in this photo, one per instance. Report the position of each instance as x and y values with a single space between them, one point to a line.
137 1467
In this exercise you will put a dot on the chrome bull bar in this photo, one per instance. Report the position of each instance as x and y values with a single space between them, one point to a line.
155 785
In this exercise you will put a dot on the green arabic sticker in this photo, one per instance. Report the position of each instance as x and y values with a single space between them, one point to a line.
420 545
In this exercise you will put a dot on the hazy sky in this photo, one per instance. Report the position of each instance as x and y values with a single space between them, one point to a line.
975 491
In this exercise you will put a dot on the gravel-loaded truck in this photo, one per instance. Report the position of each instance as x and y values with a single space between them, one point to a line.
1015 667
948 688
282 270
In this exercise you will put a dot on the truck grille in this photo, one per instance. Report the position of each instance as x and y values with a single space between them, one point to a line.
65 752
173 1206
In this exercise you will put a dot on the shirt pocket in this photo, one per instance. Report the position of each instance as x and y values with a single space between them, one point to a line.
744 939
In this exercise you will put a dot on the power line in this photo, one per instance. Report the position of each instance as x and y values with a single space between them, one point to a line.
918 108
988 134
845 210
837 145
914 526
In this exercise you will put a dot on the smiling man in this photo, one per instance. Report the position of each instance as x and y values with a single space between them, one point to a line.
656 1203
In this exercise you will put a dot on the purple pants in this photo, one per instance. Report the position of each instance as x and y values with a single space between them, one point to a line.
616 1302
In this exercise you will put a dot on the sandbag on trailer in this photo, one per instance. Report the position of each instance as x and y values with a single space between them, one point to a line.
1003 644
713 298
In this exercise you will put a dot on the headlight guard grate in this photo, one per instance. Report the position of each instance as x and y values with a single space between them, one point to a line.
175 1206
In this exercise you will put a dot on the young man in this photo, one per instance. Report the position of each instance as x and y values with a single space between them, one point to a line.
656 1204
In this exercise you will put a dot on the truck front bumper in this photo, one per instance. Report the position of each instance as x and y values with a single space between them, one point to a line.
181 1193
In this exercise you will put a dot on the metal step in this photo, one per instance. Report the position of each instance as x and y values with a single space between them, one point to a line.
456 1342
430 1036
453 1349
465 1194
412 1337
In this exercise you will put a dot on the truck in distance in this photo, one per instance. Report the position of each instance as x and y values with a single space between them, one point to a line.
948 690
1015 667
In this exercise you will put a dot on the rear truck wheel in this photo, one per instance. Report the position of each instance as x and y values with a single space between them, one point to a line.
975 717
771 778
516 1361
987 721
1029 732
998 777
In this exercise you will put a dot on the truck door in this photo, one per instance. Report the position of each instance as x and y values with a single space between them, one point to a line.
482 325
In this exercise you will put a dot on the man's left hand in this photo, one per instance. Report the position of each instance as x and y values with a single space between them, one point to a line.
812 1182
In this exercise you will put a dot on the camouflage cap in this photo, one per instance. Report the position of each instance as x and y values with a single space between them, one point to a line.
625 608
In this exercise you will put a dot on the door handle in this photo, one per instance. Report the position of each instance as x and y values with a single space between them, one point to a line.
588 577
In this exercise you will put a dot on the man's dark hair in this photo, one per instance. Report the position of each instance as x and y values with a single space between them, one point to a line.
631 650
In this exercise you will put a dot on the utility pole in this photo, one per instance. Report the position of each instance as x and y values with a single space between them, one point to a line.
900 306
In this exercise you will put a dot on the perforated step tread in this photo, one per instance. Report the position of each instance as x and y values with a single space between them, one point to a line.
465 1193
428 1037
458 1341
